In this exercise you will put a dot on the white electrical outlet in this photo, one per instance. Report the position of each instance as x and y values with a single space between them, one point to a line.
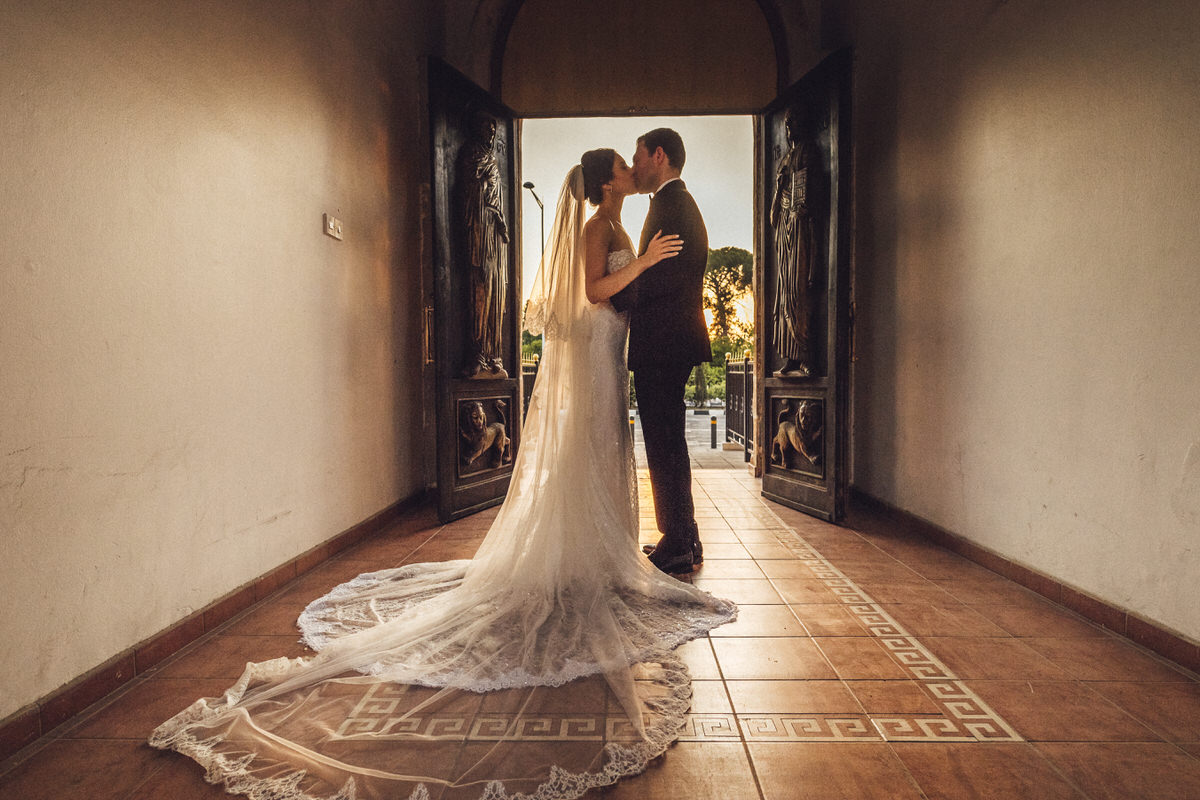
332 226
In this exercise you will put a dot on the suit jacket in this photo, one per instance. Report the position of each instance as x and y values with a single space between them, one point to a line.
665 303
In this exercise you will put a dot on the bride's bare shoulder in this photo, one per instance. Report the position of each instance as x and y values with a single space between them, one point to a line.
597 225
598 230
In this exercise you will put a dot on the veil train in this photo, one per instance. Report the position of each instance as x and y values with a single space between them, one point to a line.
540 668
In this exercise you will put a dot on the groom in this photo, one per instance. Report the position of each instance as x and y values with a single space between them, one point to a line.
667 339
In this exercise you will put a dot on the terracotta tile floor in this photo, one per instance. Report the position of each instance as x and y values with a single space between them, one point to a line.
865 664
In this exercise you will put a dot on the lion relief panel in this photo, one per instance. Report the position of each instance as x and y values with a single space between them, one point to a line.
798 441
483 442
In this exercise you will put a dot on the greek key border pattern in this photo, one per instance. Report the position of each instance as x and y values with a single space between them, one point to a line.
966 716
371 722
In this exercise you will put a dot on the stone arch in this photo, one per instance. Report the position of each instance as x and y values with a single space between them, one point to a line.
478 34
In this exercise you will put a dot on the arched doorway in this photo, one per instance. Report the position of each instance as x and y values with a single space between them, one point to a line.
557 58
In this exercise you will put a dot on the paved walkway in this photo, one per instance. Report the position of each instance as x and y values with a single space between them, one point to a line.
699 435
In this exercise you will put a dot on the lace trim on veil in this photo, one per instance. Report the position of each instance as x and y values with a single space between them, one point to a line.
652 627
235 773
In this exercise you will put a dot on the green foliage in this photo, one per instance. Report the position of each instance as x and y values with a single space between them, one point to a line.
530 345
728 275
713 386
734 346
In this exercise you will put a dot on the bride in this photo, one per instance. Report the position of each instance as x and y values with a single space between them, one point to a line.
541 667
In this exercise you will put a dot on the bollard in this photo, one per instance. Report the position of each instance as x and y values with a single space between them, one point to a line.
713 428
631 434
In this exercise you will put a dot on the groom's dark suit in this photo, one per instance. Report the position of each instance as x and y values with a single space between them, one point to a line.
667 339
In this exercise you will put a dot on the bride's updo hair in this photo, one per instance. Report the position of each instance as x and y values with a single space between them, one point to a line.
597 171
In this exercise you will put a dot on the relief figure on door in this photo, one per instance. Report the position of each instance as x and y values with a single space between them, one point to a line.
798 213
487 239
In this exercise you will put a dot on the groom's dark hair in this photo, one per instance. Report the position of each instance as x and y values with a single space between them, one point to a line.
670 142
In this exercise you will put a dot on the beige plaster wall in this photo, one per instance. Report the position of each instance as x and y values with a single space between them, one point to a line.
1028 258
197 384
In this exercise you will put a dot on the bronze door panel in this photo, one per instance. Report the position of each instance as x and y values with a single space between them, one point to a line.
475 278
803 290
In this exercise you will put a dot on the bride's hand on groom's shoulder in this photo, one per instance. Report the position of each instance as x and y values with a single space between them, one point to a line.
661 247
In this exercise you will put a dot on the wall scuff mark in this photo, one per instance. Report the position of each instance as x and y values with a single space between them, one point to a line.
1185 500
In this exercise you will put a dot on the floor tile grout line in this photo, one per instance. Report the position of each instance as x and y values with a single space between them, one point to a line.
1055 769
737 722
891 746
1108 701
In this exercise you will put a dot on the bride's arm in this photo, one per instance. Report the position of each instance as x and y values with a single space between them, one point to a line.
596 235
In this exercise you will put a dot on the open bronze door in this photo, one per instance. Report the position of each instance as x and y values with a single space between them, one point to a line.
475 291
803 291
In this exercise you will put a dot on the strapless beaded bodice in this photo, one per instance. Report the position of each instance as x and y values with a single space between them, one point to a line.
610 328
619 259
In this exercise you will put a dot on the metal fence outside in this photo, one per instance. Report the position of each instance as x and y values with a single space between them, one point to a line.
739 403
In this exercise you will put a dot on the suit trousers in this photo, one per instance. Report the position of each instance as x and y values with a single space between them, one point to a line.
660 399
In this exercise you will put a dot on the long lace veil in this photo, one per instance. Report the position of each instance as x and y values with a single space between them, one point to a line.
537 669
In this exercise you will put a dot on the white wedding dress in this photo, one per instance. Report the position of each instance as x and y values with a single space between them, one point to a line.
539 668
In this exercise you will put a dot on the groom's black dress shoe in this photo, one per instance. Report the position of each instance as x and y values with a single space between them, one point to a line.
697 551
672 563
